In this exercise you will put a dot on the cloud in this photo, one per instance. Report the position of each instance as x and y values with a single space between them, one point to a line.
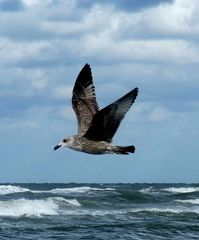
63 91
129 46
32 3
152 45
20 51
151 112
39 81
101 33
176 19
160 114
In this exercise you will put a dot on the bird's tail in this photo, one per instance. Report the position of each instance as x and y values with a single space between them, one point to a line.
124 150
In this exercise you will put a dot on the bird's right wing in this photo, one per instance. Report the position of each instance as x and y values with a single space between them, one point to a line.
106 122
84 99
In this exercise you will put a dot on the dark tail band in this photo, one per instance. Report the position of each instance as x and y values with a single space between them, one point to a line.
125 150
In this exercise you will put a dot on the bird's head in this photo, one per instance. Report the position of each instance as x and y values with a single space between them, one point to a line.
64 143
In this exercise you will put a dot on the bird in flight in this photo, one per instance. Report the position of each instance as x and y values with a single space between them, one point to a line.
96 128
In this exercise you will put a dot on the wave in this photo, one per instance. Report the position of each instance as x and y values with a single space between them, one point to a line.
181 189
10 189
190 201
36 208
60 206
150 191
146 190
179 210
129 212
161 210
78 190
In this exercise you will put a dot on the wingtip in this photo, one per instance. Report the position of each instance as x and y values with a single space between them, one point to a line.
87 65
136 90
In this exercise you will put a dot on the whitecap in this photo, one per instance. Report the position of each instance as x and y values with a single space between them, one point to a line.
9 189
78 190
72 202
146 190
167 210
181 189
191 201
36 207
163 210
26 207
130 212
94 212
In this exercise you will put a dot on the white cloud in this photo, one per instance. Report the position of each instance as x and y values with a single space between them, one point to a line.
109 50
95 20
44 45
23 82
63 91
38 79
133 48
17 124
160 114
110 35
12 51
154 112
67 113
31 3
178 17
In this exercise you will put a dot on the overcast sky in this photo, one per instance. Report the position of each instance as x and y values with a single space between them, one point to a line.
152 45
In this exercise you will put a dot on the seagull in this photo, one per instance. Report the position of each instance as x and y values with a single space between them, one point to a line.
96 128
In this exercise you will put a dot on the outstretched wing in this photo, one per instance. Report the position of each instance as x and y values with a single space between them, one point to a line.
84 99
106 122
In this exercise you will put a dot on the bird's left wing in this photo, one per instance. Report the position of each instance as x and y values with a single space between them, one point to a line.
84 99
106 122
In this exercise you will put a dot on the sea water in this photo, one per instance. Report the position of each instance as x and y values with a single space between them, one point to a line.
99 211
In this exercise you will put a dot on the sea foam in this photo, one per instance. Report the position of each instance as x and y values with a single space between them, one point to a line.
191 201
78 190
36 207
181 189
149 190
9 189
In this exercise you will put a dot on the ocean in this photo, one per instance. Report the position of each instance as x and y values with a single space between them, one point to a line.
99 211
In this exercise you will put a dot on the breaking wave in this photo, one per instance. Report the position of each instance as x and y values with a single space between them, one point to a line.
181 189
150 191
10 189
133 211
36 207
78 190
147 190
190 201
60 206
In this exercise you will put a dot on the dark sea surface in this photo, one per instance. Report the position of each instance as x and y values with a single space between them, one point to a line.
99 211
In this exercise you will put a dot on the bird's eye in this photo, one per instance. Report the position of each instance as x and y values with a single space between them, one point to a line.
64 140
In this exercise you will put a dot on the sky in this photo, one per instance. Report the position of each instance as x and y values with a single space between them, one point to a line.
152 45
